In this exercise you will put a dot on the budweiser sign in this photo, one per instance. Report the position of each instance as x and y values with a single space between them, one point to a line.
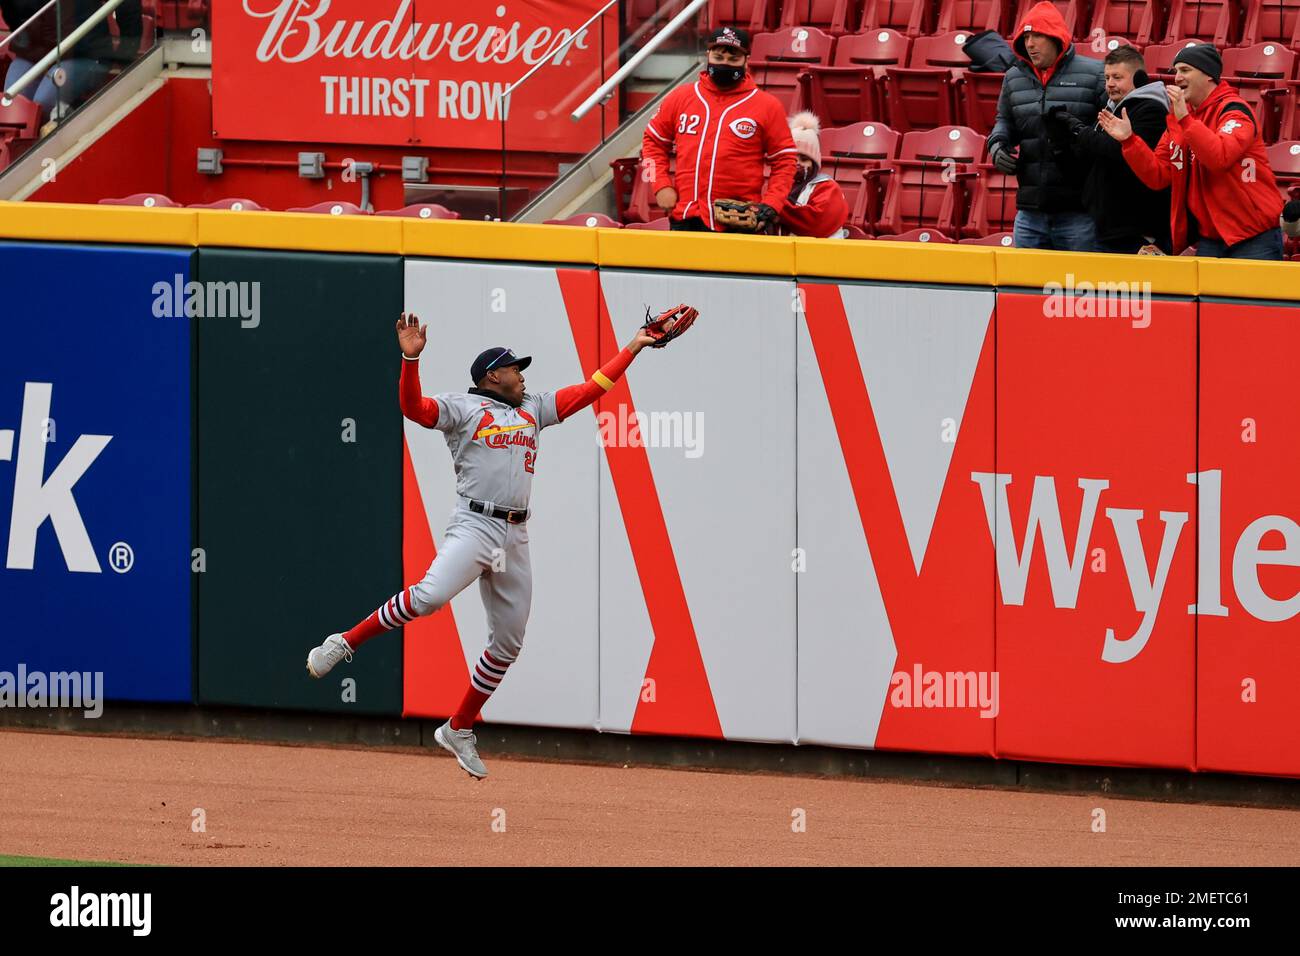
355 72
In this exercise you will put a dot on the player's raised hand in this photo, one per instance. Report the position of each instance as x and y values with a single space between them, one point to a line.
411 335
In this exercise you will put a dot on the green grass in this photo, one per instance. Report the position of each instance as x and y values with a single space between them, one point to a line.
41 861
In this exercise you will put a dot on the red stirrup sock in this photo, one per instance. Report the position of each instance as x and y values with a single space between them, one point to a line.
486 678
395 612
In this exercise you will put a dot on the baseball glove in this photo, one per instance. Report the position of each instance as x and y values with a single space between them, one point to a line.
735 215
669 324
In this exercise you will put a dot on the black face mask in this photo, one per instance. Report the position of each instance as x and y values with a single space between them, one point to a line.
725 76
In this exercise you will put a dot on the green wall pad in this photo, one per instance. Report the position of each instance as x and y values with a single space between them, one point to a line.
299 478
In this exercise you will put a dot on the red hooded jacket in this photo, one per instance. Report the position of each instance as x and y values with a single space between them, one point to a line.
722 138
818 209
1215 160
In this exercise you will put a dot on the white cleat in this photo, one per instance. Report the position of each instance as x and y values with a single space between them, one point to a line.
321 660
461 743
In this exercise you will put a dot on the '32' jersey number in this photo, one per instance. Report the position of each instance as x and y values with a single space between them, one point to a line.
688 122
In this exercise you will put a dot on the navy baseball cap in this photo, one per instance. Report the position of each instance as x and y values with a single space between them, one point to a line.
496 358
734 37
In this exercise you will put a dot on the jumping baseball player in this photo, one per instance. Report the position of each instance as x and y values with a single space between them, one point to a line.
492 432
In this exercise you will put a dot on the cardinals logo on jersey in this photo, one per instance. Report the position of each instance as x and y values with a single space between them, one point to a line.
484 424
504 436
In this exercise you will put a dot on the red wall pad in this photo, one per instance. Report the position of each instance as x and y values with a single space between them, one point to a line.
1248 654
1095 442
896 603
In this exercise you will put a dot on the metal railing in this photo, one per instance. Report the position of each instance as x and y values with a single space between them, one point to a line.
551 53
56 54
606 89
607 86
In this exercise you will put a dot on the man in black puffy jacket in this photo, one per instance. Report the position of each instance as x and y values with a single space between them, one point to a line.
1049 73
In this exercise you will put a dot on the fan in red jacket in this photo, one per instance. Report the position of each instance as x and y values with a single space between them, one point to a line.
1214 157
724 128
816 205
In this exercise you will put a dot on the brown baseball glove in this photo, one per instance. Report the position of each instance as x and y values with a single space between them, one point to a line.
736 215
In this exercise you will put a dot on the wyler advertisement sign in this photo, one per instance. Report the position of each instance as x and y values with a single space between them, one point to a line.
406 72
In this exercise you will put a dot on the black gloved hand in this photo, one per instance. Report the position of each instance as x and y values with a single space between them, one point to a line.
764 213
1003 158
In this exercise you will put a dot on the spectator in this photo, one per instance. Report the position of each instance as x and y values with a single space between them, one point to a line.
816 205
82 68
723 128
1127 215
1049 72
1225 198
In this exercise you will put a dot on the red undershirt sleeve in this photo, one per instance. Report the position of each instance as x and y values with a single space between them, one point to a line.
421 410
573 398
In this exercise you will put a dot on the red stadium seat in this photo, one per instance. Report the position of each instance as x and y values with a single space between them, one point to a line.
1260 73
1126 18
992 202
847 91
1214 21
182 14
19 119
972 16
152 200
1290 125
590 220
1160 58
331 209
978 99
660 223
918 235
921 95
4 155
830 16
778 59
1003 239
233 204
752 15
1097 47
923 187
1275 20
1284 160
1071 12
910 17
855 233
848 152
422 210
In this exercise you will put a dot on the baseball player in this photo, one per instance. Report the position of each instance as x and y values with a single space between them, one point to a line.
493 433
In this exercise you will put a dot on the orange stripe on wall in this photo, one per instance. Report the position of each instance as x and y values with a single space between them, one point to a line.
683 702
434 676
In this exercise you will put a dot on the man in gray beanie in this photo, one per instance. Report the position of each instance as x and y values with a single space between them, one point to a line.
1224 197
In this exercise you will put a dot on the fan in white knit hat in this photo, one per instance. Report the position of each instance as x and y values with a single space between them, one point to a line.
805 127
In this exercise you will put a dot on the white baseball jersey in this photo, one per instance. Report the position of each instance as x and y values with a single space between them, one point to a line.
494 445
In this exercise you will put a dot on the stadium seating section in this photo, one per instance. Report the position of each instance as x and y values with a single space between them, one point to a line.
905 117
904 114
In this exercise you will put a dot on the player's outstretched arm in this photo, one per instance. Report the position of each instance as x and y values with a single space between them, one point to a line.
411 339
574 398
